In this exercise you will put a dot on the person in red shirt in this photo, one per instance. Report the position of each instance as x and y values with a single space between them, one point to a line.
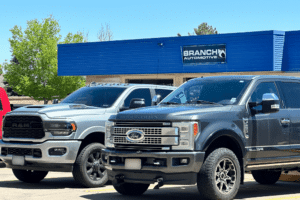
4 107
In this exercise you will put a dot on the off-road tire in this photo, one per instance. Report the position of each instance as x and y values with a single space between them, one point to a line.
220 169
29 176
88 169
266 177
133 189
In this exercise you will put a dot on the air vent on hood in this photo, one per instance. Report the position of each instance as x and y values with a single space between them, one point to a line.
35 106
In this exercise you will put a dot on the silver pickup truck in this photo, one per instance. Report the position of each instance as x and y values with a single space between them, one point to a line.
69 136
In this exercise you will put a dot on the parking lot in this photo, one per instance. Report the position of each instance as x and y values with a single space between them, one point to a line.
59 186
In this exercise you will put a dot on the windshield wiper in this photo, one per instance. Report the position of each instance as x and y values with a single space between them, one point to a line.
203 102
169 102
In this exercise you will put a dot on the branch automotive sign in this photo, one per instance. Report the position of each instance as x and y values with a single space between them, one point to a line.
204 54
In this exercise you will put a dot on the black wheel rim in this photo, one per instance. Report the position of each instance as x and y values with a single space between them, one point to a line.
94 166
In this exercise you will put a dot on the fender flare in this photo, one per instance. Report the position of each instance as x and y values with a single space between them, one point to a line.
90 130
218 129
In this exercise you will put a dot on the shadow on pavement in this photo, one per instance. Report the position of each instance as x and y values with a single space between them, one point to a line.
47 183
249 190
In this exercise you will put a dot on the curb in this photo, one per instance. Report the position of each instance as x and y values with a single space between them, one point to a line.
290 177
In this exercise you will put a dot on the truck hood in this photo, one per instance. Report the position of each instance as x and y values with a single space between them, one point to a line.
61 110
171 112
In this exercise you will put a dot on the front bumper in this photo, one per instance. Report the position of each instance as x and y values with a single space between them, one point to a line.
46 162
172 172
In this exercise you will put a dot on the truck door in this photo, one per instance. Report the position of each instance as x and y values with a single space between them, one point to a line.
269 140
291 94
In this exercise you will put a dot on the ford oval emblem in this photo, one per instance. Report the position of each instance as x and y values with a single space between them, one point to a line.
135 135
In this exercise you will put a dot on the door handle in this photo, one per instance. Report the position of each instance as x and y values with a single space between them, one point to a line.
285 121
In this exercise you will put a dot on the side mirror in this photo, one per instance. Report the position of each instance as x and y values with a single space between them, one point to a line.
270 103
156 99
137 103
55 101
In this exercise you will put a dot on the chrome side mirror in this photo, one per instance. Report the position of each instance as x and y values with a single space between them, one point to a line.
156 99
270 103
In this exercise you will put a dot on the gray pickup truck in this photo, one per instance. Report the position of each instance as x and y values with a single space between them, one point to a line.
69 136
209 131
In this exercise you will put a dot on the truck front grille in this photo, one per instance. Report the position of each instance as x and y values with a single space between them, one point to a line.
23 127
147 140
147 131
21 151
161 136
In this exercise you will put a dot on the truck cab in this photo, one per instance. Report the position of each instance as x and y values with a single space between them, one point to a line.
209 132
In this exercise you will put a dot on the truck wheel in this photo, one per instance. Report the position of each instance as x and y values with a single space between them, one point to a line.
267 177
220 175
29 176
133 189
88 169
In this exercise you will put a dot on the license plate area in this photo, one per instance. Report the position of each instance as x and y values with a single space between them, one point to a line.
131 163
18 160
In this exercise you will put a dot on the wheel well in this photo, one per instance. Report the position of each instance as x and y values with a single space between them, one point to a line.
226 141
92 138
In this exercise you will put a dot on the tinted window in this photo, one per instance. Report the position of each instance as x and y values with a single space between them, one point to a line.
222 91
95 96
262 88
139 93
163 93
1 108
291 94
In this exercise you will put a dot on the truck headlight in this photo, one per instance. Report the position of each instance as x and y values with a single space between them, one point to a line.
187 134
108 134
60 128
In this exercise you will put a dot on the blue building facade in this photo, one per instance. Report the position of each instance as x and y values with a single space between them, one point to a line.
264 51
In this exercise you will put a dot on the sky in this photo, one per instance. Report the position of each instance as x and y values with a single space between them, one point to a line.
148 19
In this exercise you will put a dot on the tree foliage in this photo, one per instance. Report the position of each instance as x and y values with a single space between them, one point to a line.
203 29
35 72
105 34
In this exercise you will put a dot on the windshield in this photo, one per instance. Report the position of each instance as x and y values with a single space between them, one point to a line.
102 97
226 92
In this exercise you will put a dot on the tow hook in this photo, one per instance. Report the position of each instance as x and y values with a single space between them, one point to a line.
119 179
160 183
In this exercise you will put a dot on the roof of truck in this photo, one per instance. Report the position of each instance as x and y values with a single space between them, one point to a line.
248 77
126 85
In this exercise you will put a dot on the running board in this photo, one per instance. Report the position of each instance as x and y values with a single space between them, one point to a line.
273 166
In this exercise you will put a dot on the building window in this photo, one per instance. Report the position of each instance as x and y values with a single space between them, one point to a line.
151 81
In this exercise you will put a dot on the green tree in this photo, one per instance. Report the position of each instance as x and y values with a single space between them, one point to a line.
35 73
203 29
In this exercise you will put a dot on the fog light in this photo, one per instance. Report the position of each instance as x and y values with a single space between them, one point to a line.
184 161
4 151
57 151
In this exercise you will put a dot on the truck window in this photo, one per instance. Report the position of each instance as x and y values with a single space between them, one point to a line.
218 91
139 93
162 92
102 97
262 88
291 94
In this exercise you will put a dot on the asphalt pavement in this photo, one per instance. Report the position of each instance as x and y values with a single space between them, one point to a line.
61 186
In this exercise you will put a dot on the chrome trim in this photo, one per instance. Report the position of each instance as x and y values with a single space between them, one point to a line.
158 131
279 165
147 140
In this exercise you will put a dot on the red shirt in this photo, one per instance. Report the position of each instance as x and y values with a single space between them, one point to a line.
5 107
